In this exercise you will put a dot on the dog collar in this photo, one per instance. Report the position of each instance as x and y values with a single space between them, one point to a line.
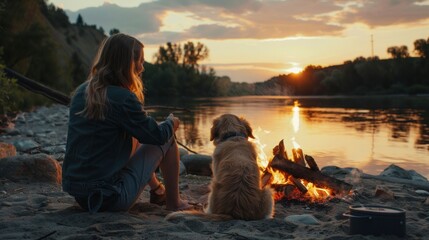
229 135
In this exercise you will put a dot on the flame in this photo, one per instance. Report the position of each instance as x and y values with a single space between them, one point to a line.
317 193
295 144
278 178
263 161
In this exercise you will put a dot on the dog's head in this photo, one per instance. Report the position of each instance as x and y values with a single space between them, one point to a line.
229 123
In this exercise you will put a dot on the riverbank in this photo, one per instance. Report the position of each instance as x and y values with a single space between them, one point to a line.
41 210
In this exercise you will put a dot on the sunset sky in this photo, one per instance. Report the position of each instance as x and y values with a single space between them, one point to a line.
253 40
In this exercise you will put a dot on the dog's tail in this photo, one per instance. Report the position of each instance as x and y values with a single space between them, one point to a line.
196 214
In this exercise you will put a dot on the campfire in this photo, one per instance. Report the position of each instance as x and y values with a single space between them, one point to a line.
297 177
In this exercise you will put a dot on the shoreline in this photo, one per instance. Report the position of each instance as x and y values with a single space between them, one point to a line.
34 210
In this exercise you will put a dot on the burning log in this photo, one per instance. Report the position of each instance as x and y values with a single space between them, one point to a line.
280 150
317 178
266 178
311 163
279 162
298 184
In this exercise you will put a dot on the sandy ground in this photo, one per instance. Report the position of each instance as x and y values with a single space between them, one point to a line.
44 211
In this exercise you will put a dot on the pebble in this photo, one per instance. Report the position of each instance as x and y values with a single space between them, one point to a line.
305 219
422 192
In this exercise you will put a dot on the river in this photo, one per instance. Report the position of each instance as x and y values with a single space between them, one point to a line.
368 133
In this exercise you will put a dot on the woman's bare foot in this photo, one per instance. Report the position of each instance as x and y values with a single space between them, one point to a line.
182 205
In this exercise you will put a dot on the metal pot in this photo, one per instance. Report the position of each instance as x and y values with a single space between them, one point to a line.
376 220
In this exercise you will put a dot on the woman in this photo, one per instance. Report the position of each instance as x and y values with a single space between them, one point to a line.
105 169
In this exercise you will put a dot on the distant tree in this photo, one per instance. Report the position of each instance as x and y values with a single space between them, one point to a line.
79 20
398 52
193 53
101 29
359 59
421 47
56 16
374 58
113 31
171 53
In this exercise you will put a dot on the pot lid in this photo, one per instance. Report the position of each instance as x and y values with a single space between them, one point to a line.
376 209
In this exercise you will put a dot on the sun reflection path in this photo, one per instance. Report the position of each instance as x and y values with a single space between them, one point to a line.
295 123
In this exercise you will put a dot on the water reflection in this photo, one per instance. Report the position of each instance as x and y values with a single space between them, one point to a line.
369 133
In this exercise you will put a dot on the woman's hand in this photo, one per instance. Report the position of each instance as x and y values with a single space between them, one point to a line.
175 120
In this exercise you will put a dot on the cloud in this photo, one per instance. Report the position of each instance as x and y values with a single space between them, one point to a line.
252 19
387 12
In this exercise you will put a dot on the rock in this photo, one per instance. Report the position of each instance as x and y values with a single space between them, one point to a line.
305 219
182 168
7 150
12 132
35 168
24 145
426 202
384 193
54 149
183 152
422 192
395 171
29 133
398 172
198 164
416 176
337 172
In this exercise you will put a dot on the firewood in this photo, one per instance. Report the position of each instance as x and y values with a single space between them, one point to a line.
280 149
298 184
298 156
317 178
311 163
266 178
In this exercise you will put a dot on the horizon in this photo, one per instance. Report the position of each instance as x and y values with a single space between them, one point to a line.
252 41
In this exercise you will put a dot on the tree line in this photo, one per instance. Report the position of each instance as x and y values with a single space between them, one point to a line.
401 74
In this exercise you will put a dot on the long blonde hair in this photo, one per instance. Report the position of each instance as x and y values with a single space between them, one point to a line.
115 64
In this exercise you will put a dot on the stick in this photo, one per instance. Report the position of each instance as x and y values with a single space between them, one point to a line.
166 108
37 87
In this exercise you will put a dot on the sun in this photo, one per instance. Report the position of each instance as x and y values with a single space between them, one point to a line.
294 69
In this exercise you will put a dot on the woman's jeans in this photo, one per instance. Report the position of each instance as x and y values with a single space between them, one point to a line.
122 192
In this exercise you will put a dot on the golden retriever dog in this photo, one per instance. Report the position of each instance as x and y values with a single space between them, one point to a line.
236 191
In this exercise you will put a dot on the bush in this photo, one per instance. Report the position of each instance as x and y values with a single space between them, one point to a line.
8 89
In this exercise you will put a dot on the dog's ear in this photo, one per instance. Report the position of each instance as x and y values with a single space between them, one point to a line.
214 131
246 124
